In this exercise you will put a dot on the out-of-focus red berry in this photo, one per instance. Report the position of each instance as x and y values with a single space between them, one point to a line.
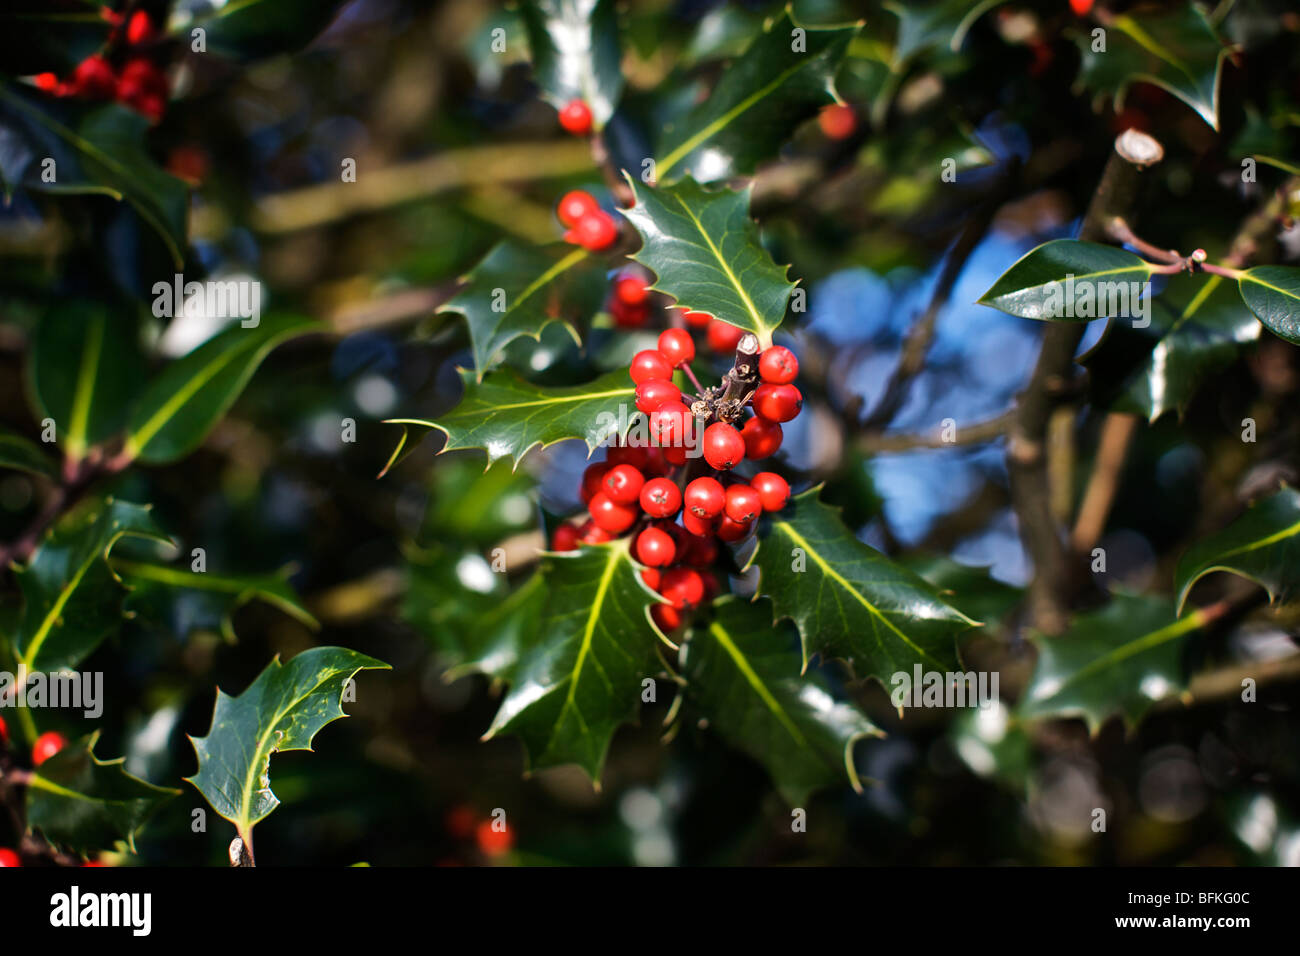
46 746
494 841
837 121
762 438
8 858
575 117
574 205
723 336
565 538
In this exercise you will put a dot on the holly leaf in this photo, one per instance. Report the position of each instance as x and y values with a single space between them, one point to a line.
204 599
86 804
507 416
850 601
782 79
1262 546
252 29
520 289
72 599
742 674
592 646
500 635
85 367
1196 329
1118 660
1066 280
575 53
19 453
706 253
283 709
972 590
941 23
1273 294
1178 50
178 408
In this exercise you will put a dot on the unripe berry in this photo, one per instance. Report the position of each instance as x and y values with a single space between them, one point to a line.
660 498
654 392
574 205
669 424
743 504
705 498
837 121
666 616
631 290
677 346
594 231
684 587
8 858
723 336
777 403
611 516
700 527
656 547
773 490
565 538
623 484
650 364
723 446
591 480
762 438
733 531
778 366
575 117
696 320
46 746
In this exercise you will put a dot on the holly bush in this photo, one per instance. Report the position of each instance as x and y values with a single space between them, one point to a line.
678 432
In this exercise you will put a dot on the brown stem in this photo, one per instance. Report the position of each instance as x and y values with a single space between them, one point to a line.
990 430
1116 433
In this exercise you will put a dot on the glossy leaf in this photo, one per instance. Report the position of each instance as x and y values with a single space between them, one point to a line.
1118 660
1262 545
283 709
743 677
179 407
971 590
85 804
85 367
251 29
507 416
848 599
757 104
1178 50
1273 294
19 453
497 638
706 254
575 53
72 599
468 504
591 647
938 23
520 289
1068 281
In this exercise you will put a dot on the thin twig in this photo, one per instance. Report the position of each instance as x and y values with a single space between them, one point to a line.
985 431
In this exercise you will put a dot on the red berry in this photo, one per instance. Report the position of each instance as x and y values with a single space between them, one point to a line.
628 316
611 516
143 87
46 746
589 533
660 498
669 424
700 551
684 587
697 320
656 548
651 577
699 527
733 531
674 455
778 366
565 538
654 462
46 82
633 455
705 498
9 858
837 121
139 29
773 491
723 336
94 863
648 364
666 616
595 231
492 841
4 733
1081 8
777 403
575 117
654 392
723 446
677 346
631 290
94 78
623 484
743 504
762 438
591 480
574 205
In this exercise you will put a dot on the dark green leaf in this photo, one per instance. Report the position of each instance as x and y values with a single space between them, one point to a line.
470 504
501 635
743 677
250 29
282 710
85 804
757 104
575 53
1070 281
180 406
1262 545
71 598
38 36
849 600
938 23
589 650
1273 294
706 253
17 452
971 590
507 416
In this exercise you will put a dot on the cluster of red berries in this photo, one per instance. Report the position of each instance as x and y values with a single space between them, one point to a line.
589 226
139 84
46 746
638 489
630 306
